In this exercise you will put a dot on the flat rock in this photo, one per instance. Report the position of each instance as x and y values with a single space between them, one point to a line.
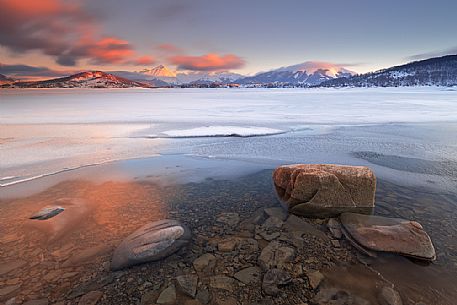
167 296
228 244
301 226
151 242
325 190
205 263
47 212
314 278
276 255
385 234
222 282
188 284
273 280
249 276
229 219
90 298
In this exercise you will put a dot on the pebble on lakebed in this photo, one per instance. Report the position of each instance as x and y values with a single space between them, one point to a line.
151 242
47 212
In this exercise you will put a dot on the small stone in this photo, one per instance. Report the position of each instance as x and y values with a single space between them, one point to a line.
275 255
227 245
47 212
301 226
248 276
188 284
205 263
222 282
229 219
315 278
335 243
203 295
334 227
167 296
272 223
151 242
273 279
389 296
90 298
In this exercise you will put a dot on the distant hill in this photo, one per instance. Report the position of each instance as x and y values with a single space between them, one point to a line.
309 73
438 71
89 79
5 80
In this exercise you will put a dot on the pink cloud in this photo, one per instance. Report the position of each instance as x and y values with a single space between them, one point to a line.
143 61
168 47
208 62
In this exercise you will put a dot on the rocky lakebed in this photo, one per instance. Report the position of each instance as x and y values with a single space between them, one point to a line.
307 237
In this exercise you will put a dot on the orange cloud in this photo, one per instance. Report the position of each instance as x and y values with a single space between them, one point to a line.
143 61
208 62
111 50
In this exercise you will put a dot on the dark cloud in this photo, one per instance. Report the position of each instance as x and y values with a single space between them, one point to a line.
61 29
21 71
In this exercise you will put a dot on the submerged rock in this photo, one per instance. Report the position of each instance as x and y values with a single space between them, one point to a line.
47 212
273 279
151 242
276 255
333 296
167 296
205 263
188 284
395 235
323 190
250 275
91 298
389 296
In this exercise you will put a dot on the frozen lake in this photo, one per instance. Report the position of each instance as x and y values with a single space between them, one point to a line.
45 131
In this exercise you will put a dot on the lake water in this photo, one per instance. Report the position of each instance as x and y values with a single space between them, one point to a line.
117 147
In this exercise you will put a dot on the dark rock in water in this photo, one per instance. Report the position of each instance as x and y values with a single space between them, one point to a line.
276 255
333 296
167 296
273 279
47 212
188 284
323 190
250 275
395 235
151 242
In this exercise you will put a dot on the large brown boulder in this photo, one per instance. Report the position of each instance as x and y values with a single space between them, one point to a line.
395 235
324 190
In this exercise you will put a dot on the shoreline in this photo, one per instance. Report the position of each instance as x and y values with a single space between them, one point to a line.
79 253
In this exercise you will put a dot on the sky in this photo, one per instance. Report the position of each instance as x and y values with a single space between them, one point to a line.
46 38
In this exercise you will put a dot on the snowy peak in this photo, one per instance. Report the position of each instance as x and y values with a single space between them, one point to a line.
159 72
305 74
438 71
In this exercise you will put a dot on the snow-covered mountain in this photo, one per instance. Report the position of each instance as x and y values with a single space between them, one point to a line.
169 76
307 74
89 79
437 71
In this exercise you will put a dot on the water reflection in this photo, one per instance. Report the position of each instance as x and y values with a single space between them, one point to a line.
44 258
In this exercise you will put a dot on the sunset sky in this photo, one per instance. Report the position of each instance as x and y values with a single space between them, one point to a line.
53 37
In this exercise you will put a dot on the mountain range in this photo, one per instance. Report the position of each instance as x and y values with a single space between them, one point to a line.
438 71
309 73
